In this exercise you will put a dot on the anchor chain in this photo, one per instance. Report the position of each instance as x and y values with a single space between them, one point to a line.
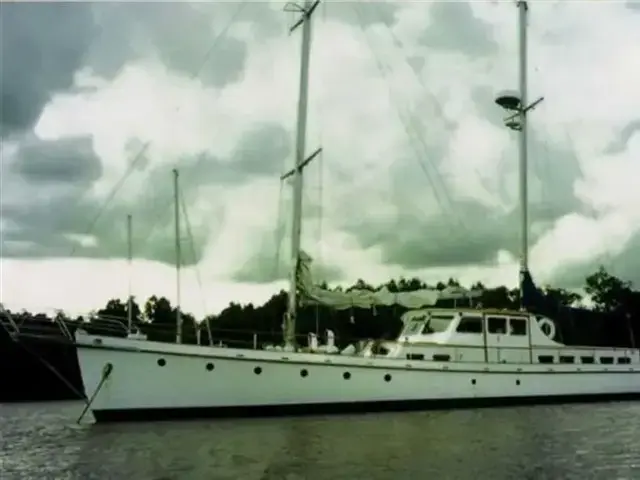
106 372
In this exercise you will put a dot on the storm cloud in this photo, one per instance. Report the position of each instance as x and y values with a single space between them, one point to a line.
414 214
44 45
47 203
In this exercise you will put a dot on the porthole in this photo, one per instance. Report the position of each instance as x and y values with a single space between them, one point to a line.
162 362
473 381
257 370
210 366
517 382
387 378
304 372
346 375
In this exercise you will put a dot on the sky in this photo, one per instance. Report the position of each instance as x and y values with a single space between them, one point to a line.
418 175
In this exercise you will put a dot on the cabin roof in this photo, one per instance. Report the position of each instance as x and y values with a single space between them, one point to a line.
477 311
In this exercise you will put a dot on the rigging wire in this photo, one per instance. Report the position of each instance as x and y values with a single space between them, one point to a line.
385 70
140 154
160 212
320 207
320 115
441 195
183 205
434 102
278 232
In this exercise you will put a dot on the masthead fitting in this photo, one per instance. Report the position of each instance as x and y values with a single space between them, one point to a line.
513 124
509 100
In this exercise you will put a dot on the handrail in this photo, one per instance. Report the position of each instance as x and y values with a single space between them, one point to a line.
256 340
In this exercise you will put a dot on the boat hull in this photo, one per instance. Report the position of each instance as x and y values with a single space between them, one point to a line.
154 381
341 408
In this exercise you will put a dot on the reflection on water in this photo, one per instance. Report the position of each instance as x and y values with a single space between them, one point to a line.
583 442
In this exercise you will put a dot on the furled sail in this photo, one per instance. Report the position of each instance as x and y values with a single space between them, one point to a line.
313 294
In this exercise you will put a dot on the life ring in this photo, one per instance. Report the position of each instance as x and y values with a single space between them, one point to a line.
547 327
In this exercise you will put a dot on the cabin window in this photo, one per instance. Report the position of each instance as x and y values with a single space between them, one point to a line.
566 359
470 325
587 359
624 360
517 326
497 325
441 357
545 358
437 323
414 326
378 349
606 360
415 356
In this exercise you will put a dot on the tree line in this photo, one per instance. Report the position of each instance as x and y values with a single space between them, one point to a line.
250 325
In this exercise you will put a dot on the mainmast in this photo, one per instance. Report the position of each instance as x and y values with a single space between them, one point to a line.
176 194
306 10
130 262
518 103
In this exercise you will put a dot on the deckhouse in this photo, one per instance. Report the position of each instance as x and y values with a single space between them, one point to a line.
491 336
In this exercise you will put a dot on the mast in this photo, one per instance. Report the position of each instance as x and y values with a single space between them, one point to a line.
518 104
306 10
522 140
176 193
130 262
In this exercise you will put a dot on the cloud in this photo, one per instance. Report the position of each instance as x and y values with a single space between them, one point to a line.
470 34
42 46
68 160
417 175
51 209
621 143
45 46
632 4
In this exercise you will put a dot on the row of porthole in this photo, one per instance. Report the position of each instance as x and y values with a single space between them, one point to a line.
258 370
303 373
473 381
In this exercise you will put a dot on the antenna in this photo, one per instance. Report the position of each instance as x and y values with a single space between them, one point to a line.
176 194
516 104
130 264
300 161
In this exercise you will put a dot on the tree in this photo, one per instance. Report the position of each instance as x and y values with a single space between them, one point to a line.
562 296
607 292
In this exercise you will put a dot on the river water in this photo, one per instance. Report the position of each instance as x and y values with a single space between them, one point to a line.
42 441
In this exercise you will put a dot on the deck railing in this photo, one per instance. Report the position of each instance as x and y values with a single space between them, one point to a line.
61 330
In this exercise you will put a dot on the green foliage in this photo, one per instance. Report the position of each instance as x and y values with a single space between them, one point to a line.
608 293
236 324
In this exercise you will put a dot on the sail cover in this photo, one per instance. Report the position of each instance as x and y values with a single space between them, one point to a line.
313 294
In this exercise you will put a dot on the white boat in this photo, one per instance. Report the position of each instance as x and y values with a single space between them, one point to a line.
443 357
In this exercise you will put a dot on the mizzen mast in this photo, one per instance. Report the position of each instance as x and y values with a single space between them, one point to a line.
176 200
517 104
130 265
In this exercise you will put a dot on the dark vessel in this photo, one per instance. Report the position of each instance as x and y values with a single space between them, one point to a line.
39 363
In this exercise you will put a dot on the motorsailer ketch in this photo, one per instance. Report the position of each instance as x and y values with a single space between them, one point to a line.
443 357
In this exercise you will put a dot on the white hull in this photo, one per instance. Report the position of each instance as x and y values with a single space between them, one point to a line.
139 388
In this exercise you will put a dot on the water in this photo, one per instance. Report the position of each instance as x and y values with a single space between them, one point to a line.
564 442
